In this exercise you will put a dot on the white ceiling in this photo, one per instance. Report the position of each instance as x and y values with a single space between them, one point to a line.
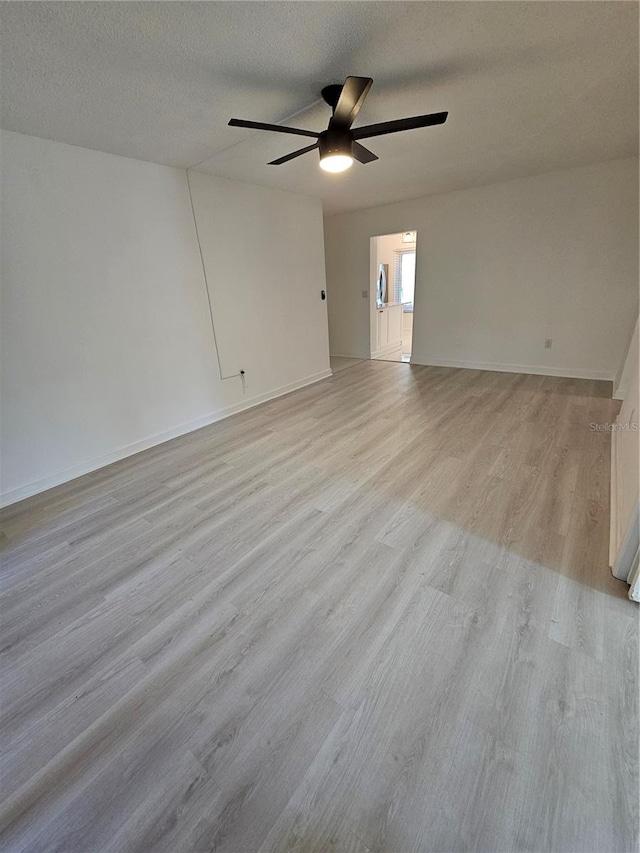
530 86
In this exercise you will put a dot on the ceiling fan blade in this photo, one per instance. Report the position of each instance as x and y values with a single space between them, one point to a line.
370 130
362 154
278 128
351 99
291 156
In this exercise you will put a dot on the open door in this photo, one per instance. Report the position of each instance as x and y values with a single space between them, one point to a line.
392 287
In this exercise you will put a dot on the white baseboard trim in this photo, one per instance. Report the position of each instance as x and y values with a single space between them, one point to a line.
566 373
60 477
345 355
619 393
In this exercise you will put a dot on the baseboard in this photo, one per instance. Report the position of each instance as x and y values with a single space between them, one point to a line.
537 370
60 477
344 355
619 393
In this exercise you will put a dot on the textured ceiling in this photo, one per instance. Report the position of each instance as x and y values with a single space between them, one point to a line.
530 86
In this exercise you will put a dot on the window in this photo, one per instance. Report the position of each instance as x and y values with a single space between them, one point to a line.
404 277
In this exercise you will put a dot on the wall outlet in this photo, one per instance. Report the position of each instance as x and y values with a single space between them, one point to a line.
365 294
548 343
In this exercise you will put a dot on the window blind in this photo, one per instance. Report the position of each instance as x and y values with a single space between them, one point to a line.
404 275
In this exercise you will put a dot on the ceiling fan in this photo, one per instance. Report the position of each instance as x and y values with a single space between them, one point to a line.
338 144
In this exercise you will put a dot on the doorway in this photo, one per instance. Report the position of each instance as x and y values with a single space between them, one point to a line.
391 297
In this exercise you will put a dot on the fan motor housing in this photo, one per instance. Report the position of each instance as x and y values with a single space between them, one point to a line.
332 141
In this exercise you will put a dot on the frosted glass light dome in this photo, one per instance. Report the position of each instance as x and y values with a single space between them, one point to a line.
336 162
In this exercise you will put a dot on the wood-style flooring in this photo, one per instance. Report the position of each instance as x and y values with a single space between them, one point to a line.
373 615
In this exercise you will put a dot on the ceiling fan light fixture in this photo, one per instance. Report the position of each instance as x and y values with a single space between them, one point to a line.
336 150
336 162
339 145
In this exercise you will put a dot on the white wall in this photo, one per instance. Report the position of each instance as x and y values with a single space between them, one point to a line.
107 345
502 267
623 381
625 459
264 253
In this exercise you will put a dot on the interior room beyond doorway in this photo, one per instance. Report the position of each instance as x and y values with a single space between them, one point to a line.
392 287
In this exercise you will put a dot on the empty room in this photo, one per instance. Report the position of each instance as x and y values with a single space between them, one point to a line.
319 460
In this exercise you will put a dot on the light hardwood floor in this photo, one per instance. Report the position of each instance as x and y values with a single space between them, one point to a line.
373 615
